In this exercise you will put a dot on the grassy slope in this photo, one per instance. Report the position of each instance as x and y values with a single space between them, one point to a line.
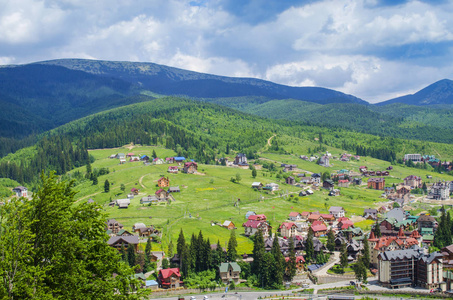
210 197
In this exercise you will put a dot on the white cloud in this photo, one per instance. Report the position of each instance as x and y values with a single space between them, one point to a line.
350 45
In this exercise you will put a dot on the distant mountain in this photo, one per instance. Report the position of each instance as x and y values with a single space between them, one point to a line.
438 93
173 81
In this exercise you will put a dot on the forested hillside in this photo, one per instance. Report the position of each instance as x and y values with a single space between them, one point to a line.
197 130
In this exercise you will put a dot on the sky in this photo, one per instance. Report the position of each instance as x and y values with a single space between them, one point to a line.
372 49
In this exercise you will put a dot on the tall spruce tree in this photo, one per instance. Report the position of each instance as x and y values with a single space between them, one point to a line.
106 186
377 230
279 263
291 263
343 256
330 241
131 255
309 249
232 246
366 253
258 253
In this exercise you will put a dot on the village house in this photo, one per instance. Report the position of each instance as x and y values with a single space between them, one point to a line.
123 203
134 158
134 191
179 159
252 226
255 217
144 158
318 230
158 161
316 178
163 182
328 184
357 181
271 187
288 229
413 157
300 261
315 217
174 189
190 167
229 272
249 213
123 240
439 191
324 161
240 159
334 192
21 191
343 183
149 199
413 181
376 183
328 218
370 213
113 225
130 154
425 221
169 160
304 215
257 185
337 211
161 194
290 180
402 190
228 225
169 278
173 169
294 216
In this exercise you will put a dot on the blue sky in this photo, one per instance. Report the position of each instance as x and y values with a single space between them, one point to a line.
373 49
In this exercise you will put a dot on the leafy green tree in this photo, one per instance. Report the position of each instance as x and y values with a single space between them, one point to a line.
131 255
122 187
330 241
238 177
106 186
95 179
63 249
232 246
16 247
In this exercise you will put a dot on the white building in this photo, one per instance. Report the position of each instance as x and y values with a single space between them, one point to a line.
413 157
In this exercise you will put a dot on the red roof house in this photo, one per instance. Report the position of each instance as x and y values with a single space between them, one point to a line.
169 278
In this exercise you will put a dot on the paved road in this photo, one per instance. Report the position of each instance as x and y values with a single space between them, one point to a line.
323 270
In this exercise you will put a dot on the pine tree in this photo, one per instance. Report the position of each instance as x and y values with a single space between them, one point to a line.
95 179
154 154
170 249
377 230
366 253
123 253
181 244
165 263
291 264
232 246
309 249
330 241
131 255
343 256
254 173
106 186
258 253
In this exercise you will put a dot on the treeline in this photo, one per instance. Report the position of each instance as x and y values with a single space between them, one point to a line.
55 153
443 236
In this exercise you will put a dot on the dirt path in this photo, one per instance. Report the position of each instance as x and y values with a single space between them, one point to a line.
269 140
141 179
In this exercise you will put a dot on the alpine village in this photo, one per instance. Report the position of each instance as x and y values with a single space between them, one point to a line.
141 191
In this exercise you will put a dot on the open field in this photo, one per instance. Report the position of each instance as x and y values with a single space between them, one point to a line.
210 198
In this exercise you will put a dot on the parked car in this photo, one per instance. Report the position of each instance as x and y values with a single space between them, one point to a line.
305 286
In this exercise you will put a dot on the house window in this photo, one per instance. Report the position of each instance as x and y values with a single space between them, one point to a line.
231 272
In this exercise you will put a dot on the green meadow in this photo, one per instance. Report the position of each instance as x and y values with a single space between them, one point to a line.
209 198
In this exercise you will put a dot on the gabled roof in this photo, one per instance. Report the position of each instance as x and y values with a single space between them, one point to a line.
288 225
166 273
320 227
336 209
129 239
294 214
253 223
225 266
